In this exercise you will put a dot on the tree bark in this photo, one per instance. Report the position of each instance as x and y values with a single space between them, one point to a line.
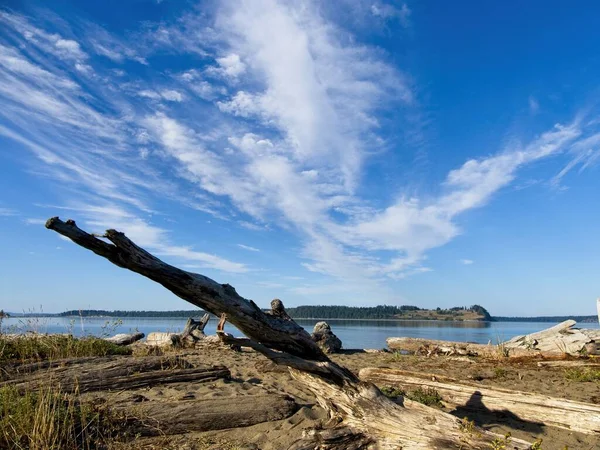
124 373
178 417
360 411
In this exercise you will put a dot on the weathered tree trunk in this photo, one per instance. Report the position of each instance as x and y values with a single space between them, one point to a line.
168 418
124 373
362 413
125 338
560 339
429 347
543 409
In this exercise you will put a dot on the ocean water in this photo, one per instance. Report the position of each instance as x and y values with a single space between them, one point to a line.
353 333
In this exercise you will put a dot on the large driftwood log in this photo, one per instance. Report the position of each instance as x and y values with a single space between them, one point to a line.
527 406
211 414
362 413
560 339
430 347
124 373
125 338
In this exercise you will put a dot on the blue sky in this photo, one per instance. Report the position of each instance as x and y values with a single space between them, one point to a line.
351 152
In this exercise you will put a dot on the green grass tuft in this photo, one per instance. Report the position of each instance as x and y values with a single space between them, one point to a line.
41 347
429 396
582 374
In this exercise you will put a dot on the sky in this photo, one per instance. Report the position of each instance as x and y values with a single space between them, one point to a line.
349 153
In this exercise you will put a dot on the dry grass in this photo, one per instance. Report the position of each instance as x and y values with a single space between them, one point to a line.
582 374
47 419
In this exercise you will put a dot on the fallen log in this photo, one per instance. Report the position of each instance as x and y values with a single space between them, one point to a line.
535 408
358 410
557 340
126 373
125 338
570 363
176 417
430 347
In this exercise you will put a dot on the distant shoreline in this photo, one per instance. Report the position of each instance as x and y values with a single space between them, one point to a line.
179 315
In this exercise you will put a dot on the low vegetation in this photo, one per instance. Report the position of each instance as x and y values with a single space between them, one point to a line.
429 396
582 374
43 347
47 418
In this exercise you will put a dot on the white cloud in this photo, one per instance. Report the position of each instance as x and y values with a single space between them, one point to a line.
5 212
387 11
467 262
31 221
534 105
70 49
170 95
232 65
247 247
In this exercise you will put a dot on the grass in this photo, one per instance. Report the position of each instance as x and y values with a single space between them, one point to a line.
582 374
500 372
47 419
429 396
42 347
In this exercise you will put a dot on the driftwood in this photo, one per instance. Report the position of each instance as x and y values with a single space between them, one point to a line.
570 363
431 347
557 340
124 373
194 329
325 338
125 338
178 417
359 411
526 406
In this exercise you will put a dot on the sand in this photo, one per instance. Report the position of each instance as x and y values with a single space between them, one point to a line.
253 374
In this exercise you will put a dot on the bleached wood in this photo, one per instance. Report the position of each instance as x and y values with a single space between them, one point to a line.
562 338
125 338
551 411
414 345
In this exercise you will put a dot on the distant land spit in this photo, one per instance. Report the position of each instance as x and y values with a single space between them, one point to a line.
322 312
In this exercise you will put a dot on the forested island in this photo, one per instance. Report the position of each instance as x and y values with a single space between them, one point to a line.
328 312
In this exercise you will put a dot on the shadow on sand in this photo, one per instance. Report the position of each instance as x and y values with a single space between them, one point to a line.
475 410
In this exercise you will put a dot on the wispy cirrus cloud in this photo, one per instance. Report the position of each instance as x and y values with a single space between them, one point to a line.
249 248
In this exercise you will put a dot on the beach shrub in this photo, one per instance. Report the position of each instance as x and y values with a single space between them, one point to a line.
392 392
429 396
501 443
40 347
500 372
582 374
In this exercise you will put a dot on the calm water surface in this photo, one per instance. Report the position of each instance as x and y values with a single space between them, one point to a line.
353 333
